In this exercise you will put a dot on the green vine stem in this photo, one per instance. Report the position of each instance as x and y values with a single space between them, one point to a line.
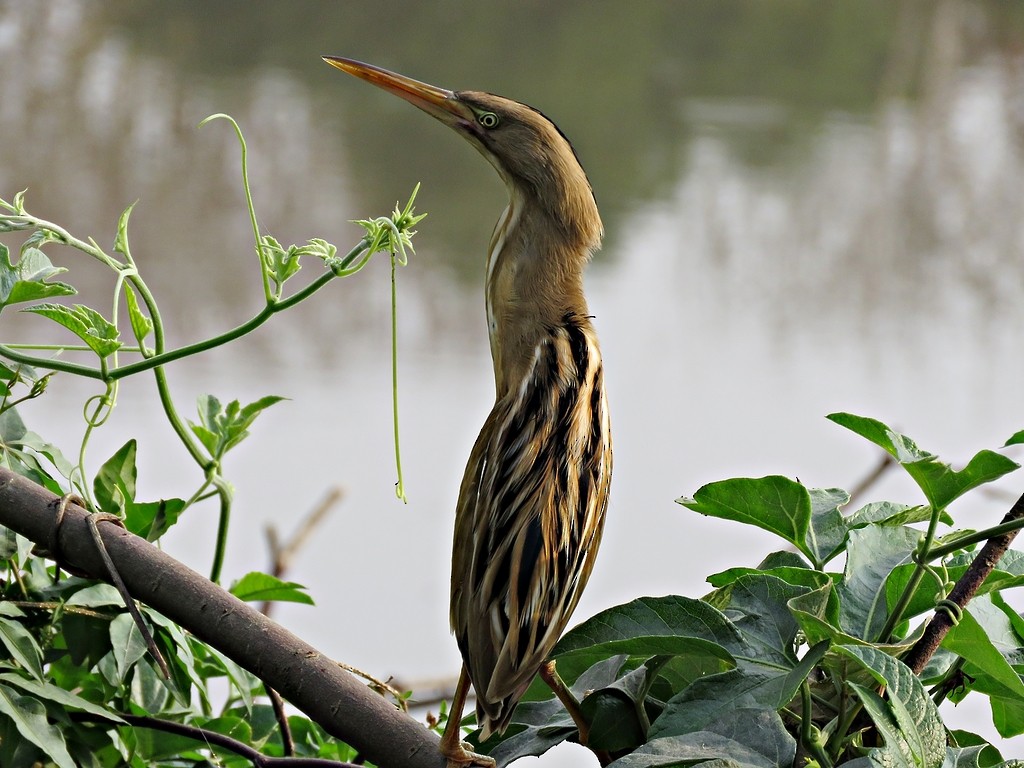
382 234
921 556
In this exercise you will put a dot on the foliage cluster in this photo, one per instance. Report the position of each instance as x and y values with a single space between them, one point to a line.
796 661
792 661
74 664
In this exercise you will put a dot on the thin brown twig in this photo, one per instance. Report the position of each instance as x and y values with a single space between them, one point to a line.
214 739
963 592
872 477
381 686
277 704
281 556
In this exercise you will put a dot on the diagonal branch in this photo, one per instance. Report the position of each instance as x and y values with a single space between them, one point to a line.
307 678
963 591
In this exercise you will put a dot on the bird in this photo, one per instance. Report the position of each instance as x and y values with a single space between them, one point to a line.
532 502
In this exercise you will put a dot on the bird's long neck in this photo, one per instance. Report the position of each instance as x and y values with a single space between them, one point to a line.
534 283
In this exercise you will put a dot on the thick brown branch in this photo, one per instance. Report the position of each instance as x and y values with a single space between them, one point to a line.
307 678
963 592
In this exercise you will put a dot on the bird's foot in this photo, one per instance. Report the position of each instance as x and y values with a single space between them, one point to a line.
459 755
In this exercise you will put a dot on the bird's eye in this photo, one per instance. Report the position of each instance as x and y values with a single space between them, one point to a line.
488 120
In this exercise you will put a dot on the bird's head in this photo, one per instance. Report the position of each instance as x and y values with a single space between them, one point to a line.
530 153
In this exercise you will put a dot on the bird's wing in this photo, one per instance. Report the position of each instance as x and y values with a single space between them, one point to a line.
530 515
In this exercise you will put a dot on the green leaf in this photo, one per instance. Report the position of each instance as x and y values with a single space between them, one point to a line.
259 587
614 712
872 553
114 485
940 482
29 717
743 737
152 519
758 606
97 596
968 638
775 503
537 726
121 241
26 280
126 644
827 530
1016 439
142 326
67 699
649 626
21 646
222 428
908 719
98 333
279 262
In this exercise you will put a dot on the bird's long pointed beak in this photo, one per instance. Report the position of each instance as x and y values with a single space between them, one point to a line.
439 102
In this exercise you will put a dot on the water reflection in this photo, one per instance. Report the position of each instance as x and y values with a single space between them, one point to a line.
810 207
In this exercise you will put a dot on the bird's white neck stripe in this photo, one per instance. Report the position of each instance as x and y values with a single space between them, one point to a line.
507 223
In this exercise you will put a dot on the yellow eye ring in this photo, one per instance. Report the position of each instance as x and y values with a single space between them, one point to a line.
488 120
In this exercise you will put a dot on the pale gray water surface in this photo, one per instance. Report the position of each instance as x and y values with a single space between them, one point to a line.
808 209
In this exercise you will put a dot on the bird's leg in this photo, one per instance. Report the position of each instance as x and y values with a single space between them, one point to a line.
550 675
452 747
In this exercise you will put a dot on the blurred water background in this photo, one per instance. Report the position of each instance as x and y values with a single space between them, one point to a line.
809 207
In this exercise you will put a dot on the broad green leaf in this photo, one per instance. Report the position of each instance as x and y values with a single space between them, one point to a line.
758 607
142 326
98 333
260 587
12 428
49 450
29 717
775 503
152 519
649 626
940 482
26 280
87 637
114 485
969 639
827 530
149 690
890 513
537 726
872 553
49 692
740 738
969 750
126 644
21 646
97 596
1016 439
1007 716
802 576
750 685
243 681
613 712
919 731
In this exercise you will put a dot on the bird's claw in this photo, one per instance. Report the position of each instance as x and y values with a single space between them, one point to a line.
464 757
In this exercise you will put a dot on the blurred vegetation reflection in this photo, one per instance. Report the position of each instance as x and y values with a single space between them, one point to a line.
635 85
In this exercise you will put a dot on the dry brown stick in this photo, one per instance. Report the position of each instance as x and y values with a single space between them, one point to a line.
307 678
281 556
963 591
213 738
872 477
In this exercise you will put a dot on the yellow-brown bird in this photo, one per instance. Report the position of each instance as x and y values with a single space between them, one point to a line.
532 503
